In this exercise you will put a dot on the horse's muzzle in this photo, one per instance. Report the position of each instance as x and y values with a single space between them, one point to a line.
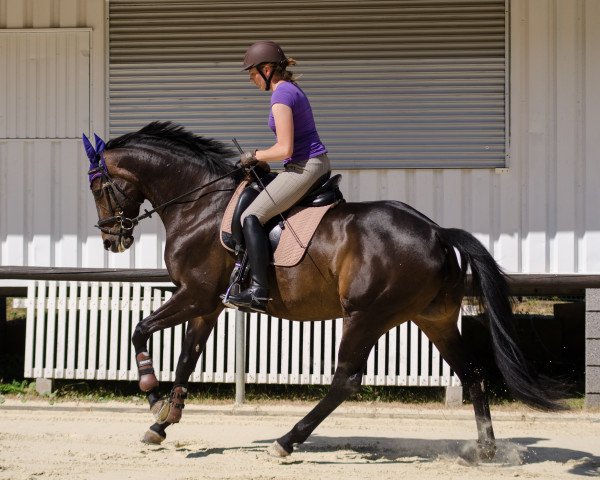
118 244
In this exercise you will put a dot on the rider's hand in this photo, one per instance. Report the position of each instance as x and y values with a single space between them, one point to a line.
248 159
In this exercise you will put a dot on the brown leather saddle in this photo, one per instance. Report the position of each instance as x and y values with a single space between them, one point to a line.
289 233
325 192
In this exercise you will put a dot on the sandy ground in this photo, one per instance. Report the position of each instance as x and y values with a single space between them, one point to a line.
102 441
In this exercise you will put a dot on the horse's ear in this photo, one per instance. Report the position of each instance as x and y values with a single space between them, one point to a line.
89 149
100 145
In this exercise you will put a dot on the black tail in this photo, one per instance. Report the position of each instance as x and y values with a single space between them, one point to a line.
492 289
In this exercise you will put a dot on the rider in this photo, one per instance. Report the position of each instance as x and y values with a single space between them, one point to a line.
297 144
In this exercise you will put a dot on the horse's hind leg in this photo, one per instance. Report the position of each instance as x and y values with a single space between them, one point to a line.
455 351
355 346
169 410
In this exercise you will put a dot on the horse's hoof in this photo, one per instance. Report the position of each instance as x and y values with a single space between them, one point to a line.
161 410
486 451
152 438
276 450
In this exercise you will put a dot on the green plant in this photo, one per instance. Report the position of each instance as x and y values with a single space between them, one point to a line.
15 387
14 313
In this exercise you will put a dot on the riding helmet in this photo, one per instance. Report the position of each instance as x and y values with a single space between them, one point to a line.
264 51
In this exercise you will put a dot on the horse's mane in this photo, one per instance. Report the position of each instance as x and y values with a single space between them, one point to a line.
206 152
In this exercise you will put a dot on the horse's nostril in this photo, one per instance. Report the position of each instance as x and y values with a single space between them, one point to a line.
107 244
127 242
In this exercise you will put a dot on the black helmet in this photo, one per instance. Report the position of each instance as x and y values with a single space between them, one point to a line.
264 51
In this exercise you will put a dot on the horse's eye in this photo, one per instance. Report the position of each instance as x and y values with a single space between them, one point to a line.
97 193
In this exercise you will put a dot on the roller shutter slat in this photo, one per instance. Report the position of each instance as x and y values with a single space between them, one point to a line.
392 84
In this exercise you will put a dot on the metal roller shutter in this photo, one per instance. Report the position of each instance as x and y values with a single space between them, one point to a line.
392 83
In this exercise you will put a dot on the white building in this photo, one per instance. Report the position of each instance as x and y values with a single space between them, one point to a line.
482 114
373 70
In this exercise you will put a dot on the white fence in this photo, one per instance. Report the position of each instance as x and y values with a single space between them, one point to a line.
82 330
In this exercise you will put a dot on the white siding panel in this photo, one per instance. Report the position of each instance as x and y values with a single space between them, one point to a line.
40 166
68 182
43 14
45 204
568 122
46 83
55 91
539 216
592 137
507 250
15 184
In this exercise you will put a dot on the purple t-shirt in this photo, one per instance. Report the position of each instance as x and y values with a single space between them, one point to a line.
307 143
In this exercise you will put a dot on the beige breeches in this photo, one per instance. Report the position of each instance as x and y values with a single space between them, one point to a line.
287 188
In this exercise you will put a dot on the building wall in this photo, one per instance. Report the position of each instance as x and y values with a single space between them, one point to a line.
46 210
539 215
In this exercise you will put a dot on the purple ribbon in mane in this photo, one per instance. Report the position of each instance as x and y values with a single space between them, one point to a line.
95 156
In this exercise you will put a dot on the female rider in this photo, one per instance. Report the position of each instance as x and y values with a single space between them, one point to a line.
297 144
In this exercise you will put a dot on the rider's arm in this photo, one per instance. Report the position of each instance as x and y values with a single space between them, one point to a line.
284 125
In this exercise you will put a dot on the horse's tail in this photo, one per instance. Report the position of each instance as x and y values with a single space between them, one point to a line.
490 286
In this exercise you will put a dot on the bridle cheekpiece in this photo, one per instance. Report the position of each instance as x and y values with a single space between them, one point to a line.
98 169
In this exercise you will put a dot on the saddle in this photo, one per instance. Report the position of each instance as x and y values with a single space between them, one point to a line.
289 237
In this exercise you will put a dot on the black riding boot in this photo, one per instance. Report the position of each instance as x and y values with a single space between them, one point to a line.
255 297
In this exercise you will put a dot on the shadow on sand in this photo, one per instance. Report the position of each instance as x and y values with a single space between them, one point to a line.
511 451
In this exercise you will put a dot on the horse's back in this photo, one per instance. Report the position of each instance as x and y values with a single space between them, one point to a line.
379 226
364 254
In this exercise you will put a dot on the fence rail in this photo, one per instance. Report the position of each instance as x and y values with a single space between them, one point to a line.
520 283
82 330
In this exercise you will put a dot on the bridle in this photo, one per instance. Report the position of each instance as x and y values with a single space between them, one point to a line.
118 218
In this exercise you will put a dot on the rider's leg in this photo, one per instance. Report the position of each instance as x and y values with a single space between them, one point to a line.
280 195
287 188
256 295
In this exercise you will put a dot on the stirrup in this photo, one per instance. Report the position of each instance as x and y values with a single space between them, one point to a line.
233 289
256 304
236 279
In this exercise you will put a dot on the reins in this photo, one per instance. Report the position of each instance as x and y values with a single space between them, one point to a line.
148 213
127 224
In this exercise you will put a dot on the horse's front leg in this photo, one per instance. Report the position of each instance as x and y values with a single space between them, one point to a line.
178 309
170 409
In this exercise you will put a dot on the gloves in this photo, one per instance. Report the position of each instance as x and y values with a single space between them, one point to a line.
248 159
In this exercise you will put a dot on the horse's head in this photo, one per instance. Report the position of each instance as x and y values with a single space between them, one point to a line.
117 200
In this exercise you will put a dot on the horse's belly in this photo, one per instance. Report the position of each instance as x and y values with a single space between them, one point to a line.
302 296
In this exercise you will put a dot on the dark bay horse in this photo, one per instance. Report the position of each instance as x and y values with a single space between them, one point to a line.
376 264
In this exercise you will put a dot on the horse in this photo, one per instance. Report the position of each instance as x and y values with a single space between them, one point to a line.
374 264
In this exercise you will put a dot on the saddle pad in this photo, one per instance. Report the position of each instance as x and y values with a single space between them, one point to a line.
301 220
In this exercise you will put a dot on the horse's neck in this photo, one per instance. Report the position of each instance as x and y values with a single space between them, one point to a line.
203 208
161 185
200 208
